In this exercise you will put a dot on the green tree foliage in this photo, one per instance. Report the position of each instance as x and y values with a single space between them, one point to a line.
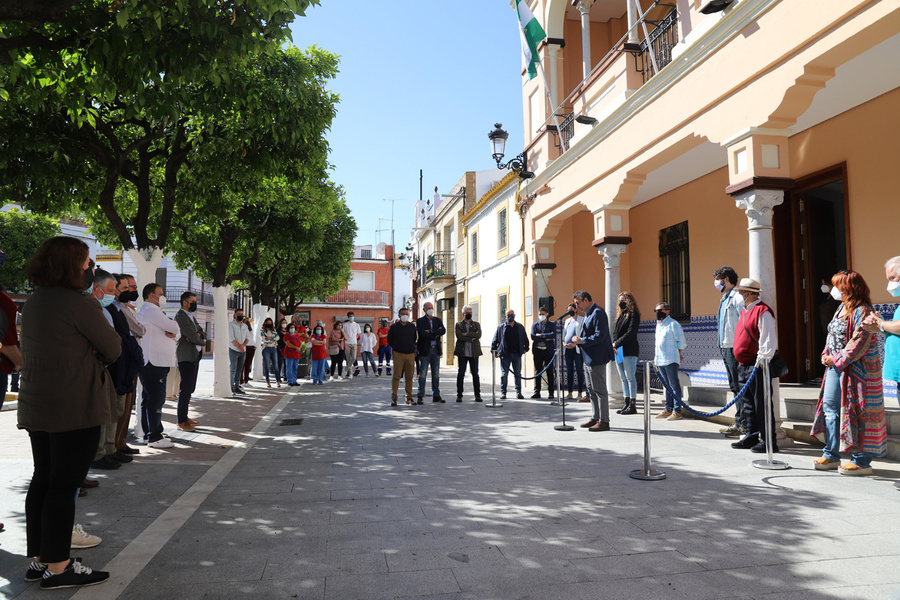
21 234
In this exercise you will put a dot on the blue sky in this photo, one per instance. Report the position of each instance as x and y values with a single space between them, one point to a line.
421 84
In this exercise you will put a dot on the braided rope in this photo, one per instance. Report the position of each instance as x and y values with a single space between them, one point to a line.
721 410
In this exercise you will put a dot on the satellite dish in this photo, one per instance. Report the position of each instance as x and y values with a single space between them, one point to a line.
380 247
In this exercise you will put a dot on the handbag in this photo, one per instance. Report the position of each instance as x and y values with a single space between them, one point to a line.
334 349
777 366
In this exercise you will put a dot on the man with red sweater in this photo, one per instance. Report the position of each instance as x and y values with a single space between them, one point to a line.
755 338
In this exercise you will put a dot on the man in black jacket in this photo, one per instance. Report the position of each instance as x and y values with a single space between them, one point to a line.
510 343
401 338
430 329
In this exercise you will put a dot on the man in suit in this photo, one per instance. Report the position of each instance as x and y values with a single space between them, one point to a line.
543 334
468 349
429 330
597 349
510 343
188 352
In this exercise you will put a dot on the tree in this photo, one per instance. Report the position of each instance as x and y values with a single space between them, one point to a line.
21 234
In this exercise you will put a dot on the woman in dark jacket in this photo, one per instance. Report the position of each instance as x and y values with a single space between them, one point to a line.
628 318
64 334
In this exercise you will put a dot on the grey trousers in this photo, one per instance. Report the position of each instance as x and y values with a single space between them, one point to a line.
595 378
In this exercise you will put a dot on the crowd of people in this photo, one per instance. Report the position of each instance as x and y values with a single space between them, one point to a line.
99 346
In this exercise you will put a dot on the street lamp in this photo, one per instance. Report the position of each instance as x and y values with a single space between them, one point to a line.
519 164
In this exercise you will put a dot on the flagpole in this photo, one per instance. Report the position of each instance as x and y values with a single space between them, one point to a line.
553 107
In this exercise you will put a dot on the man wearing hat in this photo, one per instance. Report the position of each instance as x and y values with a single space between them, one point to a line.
755 338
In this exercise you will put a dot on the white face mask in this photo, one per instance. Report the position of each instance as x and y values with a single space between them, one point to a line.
162 301
720 285
893 288
825 289
429 312
542 318
404 318
836 294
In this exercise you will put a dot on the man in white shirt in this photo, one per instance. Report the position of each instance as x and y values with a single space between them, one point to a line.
158 345
351 330
238 338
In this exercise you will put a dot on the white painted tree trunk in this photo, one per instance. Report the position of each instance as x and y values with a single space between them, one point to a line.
146 262
221 365
260 312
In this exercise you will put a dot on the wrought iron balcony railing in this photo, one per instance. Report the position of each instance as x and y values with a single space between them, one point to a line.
660 41
439 265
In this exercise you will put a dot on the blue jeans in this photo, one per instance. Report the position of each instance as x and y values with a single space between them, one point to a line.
367 359
318 370
237 367
626 374
514 360
433 360
831 406
669 376
270 361
574 362
291 365
154 396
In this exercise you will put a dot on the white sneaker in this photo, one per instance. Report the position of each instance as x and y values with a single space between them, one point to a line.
162 444
82 539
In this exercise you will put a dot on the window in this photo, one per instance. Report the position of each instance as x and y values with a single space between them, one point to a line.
476 310
676 270
361 280
474 248
501 229
503 306
365 253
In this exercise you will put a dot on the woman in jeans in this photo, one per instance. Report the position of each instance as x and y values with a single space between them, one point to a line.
269 342
318 354
367 344
628 319
64 334
282 364
337 342
850 414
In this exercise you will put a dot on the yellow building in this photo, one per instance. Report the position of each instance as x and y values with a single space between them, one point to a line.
762 136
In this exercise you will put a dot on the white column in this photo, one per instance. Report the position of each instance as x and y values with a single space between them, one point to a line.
584 7
632 21
612 257
553 51
759 205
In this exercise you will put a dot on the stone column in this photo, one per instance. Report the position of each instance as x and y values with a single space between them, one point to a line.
612 257
633 15
758 205
584 7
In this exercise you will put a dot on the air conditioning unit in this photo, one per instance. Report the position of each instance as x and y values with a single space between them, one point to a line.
446 304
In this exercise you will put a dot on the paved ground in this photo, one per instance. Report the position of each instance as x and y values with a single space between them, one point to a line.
459 501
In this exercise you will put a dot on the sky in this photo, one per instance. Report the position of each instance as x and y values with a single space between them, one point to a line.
421 85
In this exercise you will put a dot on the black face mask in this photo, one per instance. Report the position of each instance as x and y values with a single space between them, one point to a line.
88 278
468 316
239 319
128 296
623 305
192 307
660 315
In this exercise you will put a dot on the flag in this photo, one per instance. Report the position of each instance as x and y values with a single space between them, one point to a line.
532 34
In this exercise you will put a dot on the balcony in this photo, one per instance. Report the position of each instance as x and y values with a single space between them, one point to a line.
360 298
660 42
439 266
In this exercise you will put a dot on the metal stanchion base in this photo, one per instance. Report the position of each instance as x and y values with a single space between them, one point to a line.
564 428
647 476
492 405
557 403
774 465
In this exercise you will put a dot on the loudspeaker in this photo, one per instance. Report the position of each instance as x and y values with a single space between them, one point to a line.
546 302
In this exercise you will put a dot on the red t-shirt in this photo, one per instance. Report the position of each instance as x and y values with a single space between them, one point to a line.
11 338
295 339
319 352
382 341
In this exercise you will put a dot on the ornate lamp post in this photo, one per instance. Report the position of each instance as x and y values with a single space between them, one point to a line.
519 164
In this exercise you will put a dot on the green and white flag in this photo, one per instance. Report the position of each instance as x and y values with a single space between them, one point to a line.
532 34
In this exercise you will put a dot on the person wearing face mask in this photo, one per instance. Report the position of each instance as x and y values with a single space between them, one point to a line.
628 319
282 331
269 341
293 352
891 329
597 350
509 344
337 344
318 354
159 356
402 337
351 331
731 304
430 329
238 338
188 352
127 294
543 336
755 339
367 342
574 360
670 345
468 349
850 413
384 350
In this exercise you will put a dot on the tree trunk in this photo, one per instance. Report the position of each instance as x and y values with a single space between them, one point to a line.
221 364
146 262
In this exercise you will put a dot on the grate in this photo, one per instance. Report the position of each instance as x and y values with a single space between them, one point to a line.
291 422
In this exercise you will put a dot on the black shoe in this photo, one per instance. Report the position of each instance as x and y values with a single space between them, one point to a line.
35 571
760 447
121 457
520 396
441 400
106 463
459 398
75 575
624 408
535 395
420 401
745 443
503 395
478 399
630 407
128 450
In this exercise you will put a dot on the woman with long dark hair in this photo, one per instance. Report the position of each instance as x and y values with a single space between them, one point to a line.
269 341
850 414
63 412
628 319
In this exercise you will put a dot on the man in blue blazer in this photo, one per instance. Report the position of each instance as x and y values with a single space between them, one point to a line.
597 350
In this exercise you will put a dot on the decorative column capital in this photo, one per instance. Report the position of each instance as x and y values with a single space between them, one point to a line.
758 205
584 6
612 254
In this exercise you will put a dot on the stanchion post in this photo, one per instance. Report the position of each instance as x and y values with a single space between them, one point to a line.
769 464
493 403
647 474
562 401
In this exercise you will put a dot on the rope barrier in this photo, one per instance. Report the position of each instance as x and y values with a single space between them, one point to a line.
721 410
542 370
